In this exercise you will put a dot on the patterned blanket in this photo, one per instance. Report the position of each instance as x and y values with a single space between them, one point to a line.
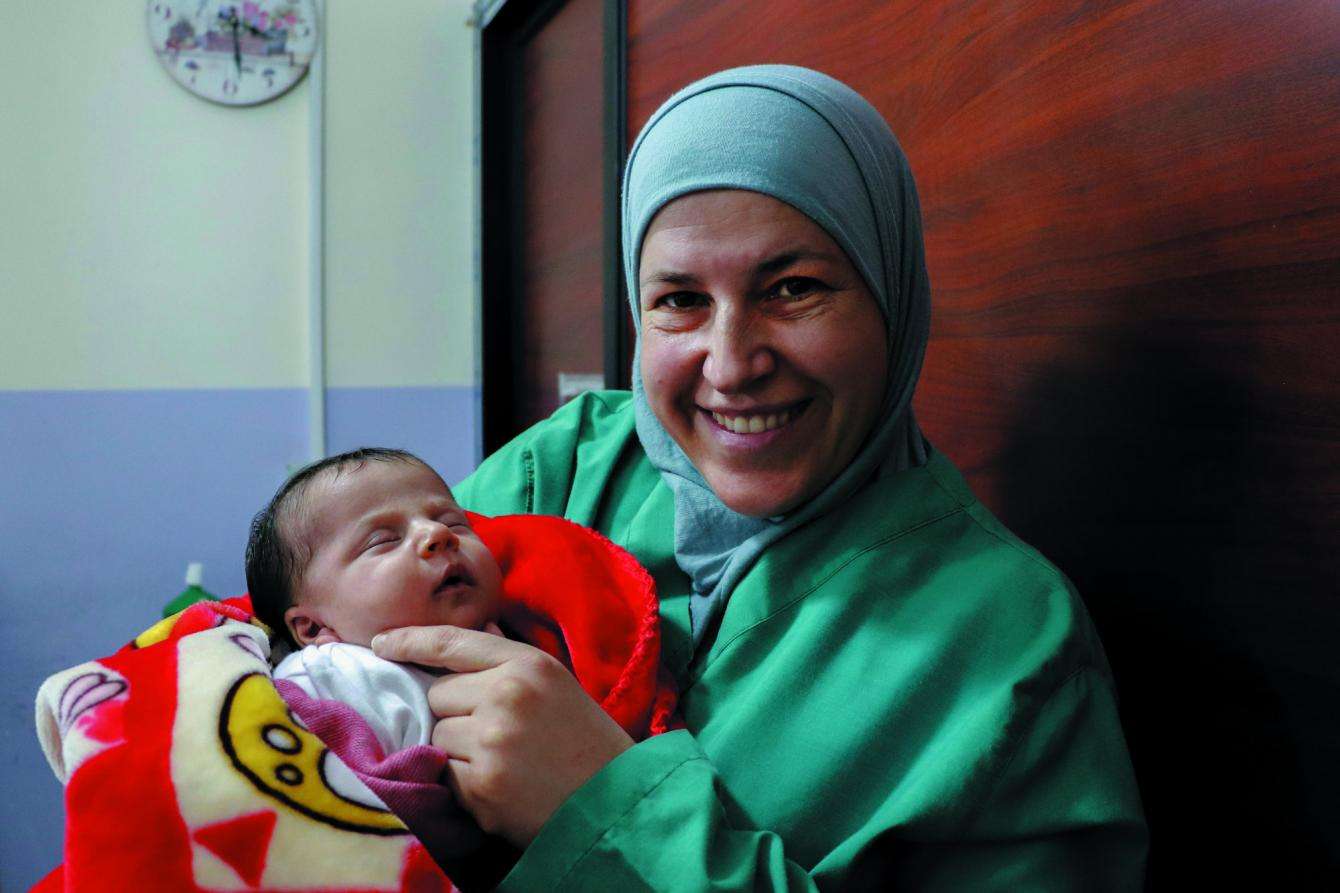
185 769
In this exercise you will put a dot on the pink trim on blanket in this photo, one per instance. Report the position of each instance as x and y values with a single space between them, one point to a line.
411 784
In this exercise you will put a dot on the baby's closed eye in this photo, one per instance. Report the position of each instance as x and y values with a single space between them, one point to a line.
380 538
454 519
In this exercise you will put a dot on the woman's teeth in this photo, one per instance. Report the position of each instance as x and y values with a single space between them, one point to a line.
753 424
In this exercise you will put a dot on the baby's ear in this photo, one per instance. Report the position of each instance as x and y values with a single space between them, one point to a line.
307 628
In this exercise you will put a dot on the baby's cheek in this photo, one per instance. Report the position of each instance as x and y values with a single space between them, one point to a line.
476 616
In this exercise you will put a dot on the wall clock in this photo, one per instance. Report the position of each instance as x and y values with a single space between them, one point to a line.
234 53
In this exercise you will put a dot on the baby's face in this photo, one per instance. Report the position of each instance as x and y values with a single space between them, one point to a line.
390 548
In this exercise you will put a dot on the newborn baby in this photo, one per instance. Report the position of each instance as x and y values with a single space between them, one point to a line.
357 544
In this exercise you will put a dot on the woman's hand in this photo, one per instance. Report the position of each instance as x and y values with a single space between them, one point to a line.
519 732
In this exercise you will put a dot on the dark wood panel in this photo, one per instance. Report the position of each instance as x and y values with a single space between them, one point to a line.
563 204
1133 231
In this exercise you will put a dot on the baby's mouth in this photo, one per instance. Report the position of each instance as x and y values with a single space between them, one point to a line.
454 576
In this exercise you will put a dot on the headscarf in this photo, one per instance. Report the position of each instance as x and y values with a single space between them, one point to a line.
812 142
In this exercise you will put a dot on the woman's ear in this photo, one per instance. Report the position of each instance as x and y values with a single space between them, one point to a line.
306 627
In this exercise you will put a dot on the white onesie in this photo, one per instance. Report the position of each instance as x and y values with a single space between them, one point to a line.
391 697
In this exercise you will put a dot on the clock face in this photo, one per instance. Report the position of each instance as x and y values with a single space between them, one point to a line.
234 53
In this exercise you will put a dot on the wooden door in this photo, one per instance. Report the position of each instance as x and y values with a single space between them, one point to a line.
1133 231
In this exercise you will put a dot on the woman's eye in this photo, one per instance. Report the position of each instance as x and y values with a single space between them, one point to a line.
679 300
795 288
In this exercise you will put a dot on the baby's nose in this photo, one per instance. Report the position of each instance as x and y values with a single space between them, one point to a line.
439 537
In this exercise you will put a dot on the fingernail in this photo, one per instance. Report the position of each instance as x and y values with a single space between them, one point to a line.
377 638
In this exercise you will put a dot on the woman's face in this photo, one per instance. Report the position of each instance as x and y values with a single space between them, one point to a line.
763 352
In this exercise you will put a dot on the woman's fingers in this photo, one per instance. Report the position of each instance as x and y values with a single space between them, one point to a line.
449 647
451 777
520 733
531 737
454 737
457 694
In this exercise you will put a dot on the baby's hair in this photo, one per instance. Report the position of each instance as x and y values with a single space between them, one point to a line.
275 561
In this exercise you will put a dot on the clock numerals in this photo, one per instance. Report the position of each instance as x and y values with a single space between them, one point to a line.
234 52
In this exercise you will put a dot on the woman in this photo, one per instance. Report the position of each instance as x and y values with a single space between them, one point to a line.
879 682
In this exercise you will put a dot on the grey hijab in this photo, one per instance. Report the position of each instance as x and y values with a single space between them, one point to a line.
816 144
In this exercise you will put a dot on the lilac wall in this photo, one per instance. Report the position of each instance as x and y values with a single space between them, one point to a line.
104 498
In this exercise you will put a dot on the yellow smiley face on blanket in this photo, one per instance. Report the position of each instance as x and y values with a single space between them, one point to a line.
284 760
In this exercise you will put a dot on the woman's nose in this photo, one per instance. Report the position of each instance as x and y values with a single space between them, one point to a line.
436 538
738 354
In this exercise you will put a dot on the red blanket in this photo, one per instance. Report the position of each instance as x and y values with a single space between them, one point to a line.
185 769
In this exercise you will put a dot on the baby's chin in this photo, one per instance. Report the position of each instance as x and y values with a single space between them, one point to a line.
475 613
476 621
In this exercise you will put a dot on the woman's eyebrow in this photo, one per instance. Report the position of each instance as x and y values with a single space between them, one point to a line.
779 262
668 277
771 265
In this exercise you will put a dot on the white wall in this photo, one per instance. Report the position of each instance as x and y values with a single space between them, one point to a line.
400 202
152 239
157 240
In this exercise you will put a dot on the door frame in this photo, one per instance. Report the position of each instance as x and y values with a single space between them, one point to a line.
505 26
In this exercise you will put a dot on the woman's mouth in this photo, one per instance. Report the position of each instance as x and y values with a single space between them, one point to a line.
757 422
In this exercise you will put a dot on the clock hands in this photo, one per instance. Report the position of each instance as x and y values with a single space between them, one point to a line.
199 36
232 21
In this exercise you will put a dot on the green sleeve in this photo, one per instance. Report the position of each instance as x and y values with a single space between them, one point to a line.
651 819
1062 817
1064 814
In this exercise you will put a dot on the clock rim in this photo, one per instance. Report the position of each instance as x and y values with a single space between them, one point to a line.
313 5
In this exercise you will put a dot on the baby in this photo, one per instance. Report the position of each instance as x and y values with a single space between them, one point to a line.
356 544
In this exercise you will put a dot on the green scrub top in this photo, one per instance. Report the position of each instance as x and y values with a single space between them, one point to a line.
900 694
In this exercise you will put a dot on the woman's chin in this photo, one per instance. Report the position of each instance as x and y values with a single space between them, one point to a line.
756 496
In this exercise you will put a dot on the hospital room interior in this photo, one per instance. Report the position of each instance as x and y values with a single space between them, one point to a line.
410 237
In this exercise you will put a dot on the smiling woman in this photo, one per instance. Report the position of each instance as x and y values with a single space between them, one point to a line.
763 353
881 687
